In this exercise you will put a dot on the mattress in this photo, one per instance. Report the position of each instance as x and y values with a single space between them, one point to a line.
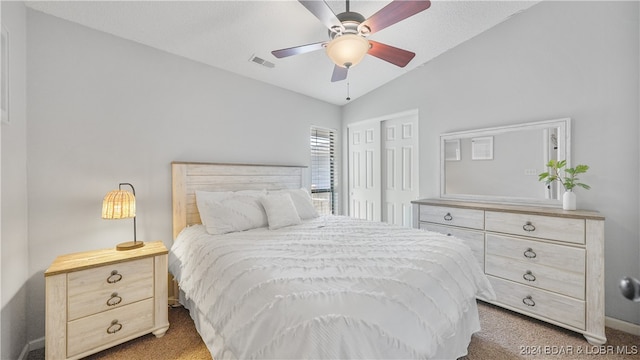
331 287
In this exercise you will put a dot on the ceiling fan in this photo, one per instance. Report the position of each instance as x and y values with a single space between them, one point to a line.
348 32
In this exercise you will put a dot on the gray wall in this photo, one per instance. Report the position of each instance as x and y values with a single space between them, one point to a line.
555 60
15 245
103 110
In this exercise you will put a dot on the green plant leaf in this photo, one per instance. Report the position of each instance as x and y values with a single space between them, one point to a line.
570 179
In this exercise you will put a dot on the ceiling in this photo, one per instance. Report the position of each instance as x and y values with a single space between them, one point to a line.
227 34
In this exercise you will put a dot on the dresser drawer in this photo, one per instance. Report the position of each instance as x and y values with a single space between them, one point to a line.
469 218
542 227
102 288
473 239
559 257
536 275
109 326
538 302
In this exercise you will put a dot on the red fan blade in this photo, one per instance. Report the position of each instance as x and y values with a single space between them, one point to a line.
323 12
339 73
394 12
394 55
298 50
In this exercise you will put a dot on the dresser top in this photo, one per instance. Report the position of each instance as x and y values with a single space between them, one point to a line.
88 259
524 209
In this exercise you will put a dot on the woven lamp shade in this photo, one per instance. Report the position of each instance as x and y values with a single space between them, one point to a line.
119 204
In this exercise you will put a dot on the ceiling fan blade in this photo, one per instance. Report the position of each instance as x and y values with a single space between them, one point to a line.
394 55
339 73
298 49
394 12
323 12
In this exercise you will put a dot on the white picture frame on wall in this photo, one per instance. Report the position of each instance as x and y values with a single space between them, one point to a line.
482 148
452 150
4 75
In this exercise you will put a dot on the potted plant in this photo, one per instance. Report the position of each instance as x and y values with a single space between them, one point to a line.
569 181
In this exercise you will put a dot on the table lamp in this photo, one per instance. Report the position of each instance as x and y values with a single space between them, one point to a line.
121 204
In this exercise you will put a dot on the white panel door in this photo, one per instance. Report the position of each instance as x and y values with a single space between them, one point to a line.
364 171
399 169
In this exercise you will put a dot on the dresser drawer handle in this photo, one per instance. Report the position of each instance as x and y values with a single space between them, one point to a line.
529 276
529 301
114 327
448 217
530 254
114 277
114 299
528 227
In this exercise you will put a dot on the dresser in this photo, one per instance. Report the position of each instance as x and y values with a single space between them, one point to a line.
546 263
98 299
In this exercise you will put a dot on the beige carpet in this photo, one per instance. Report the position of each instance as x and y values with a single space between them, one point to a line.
507 335
504 335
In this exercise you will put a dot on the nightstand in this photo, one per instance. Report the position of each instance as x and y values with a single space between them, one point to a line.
98 299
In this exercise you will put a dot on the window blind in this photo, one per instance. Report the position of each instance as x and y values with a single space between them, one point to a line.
324 175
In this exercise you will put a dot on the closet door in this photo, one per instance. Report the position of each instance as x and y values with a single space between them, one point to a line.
399 169
364 171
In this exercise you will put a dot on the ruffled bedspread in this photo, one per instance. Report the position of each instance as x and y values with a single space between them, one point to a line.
332 287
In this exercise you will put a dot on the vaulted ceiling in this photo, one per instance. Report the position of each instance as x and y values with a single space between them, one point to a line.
228 34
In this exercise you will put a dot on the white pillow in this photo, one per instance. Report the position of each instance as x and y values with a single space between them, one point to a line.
280 210
224 212
303 203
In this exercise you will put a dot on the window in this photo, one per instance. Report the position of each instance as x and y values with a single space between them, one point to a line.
324 184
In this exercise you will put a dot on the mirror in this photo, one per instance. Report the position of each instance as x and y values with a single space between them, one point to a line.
502 164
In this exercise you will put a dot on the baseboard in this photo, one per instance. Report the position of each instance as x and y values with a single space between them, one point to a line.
621 325
30 346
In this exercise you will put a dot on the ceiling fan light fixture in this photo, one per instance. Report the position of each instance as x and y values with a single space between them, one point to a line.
347 50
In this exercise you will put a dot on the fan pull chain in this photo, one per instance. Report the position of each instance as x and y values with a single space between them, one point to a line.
348 97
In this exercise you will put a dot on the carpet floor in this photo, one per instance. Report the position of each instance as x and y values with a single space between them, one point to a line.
505 335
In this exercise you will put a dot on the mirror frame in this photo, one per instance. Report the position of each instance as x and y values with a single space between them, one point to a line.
564 137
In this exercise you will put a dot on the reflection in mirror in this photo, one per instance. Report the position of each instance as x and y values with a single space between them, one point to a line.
502 163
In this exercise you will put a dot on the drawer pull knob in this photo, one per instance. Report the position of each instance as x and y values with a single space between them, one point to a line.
528 227
530 254
529 301
114 327
529 276
114 299
114 277
448 217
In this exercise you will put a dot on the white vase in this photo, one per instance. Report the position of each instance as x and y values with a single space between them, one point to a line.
569 200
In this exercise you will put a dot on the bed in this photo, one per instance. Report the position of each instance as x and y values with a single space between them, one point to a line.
315 286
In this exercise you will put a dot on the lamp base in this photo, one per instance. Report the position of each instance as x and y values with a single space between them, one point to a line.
129 245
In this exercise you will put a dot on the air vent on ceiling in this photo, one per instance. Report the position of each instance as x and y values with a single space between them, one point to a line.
262 61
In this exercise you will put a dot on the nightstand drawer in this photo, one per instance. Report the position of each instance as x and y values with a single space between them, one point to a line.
542 303
107 287
469 218
541 227
110 326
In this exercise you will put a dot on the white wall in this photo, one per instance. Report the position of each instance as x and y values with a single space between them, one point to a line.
15 250
555 60
103 110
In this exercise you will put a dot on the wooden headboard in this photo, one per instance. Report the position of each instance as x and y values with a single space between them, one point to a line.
187 177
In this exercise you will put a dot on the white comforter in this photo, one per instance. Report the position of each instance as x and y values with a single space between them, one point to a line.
333 287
